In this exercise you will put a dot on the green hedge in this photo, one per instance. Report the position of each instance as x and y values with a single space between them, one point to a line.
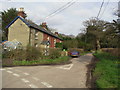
106 71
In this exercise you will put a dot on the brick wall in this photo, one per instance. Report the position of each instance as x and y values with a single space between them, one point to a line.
51 39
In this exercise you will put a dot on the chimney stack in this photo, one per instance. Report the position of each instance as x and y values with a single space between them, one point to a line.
44 25
21 12
56 33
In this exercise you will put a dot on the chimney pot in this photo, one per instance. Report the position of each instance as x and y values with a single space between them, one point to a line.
21 9
21 12
44 25
56 33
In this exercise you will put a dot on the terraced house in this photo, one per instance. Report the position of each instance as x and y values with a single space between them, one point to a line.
26 32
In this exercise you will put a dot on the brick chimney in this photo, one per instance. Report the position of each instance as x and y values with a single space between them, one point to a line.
21 12
44 25
56 33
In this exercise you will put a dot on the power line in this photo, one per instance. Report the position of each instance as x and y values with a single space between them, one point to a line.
60 9
105 8
64 8
100 9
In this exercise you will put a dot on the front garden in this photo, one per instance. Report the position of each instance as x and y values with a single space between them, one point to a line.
34 56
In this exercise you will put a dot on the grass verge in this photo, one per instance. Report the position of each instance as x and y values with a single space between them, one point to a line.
60 60
106 71
84 53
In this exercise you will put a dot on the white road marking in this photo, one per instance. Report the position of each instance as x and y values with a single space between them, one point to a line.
26 73
17 75
25 80
9 68
2 69
9 71
66 67
35 78
47 85
33 86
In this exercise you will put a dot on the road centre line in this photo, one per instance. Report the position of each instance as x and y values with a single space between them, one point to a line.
66 67
26 73
35 78
17 75
2 69
9 68
25 80
9 71
33 86
47 85
17 70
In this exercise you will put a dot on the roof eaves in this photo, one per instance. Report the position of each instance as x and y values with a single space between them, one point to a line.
15 20
42 30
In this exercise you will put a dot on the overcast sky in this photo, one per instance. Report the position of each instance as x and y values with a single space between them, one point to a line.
70 20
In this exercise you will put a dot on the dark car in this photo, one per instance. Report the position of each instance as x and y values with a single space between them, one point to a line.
74 54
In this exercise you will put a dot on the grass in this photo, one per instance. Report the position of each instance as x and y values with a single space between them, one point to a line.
60 60
85 52
106 71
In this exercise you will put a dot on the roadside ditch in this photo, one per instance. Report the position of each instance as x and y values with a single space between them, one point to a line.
90 82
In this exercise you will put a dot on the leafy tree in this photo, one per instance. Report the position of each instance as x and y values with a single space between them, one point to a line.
7 16
112 34
70 44
59 45
96 28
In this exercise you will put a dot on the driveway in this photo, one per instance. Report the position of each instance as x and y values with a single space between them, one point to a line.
58 76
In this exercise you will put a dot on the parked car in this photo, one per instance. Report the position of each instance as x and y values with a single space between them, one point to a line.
74 54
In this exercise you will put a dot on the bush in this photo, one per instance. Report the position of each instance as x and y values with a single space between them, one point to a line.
14 54
59 45
33 53
54 53
88 47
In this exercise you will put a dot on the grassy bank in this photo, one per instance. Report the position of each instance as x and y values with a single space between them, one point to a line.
60 60
106 71
84 53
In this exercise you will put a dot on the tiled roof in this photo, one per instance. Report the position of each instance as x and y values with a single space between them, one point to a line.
33 25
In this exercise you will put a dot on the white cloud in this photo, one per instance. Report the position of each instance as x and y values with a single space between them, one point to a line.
68 21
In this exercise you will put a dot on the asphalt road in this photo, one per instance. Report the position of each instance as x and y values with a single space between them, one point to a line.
58 76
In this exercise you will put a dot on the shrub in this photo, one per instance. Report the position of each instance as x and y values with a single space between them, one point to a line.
33 53
59 45
14 54
54 53
7 62
88 47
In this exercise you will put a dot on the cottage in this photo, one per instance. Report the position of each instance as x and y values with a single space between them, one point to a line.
27 32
